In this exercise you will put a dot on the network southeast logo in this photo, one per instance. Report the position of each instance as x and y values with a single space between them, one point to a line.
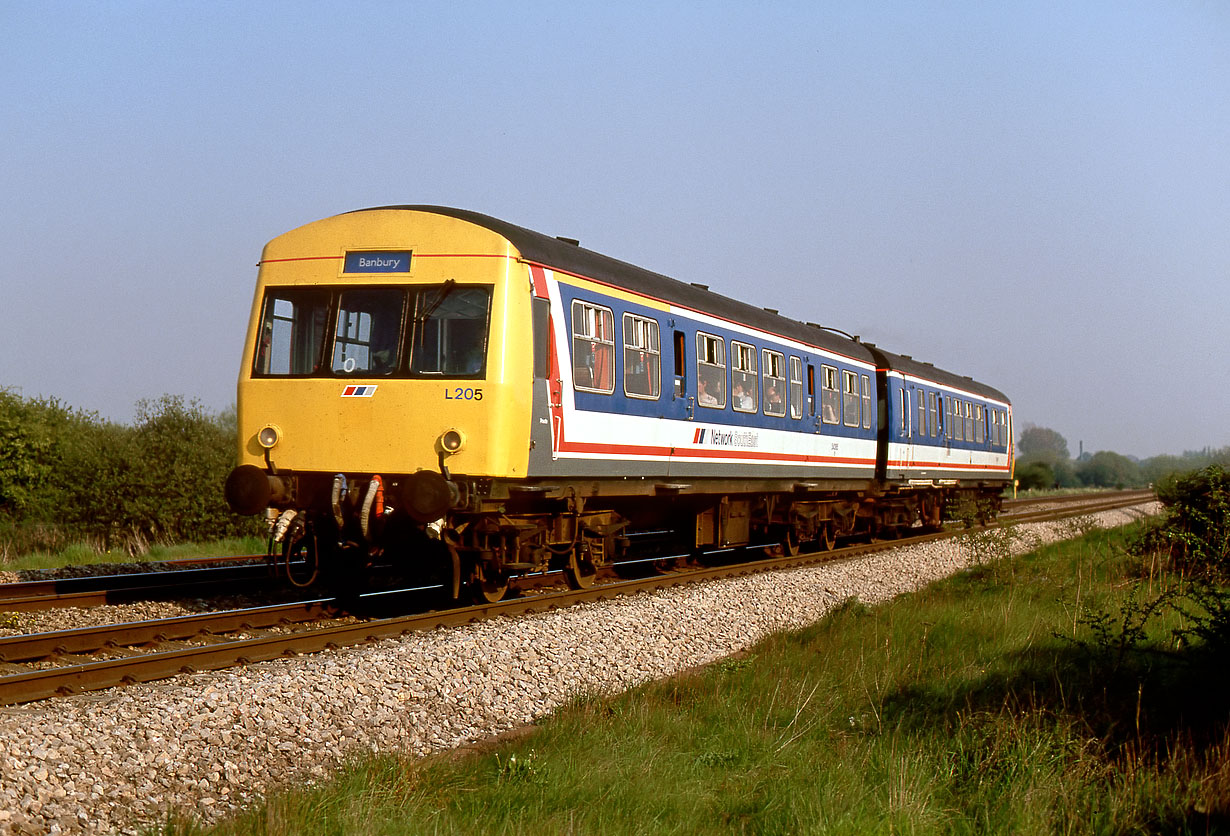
725 438
358 391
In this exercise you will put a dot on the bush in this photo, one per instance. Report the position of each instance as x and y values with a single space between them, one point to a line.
71 477
1196 522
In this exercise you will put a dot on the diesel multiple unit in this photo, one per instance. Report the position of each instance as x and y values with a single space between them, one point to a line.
469 400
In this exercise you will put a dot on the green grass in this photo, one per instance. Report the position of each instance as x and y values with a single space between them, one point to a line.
1008 699
82 554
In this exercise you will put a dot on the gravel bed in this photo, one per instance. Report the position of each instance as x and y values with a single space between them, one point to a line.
213 742
71 618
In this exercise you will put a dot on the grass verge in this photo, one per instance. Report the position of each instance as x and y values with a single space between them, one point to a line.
82 554
1040 694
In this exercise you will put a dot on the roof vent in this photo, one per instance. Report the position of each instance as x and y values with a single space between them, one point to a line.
701 286
772 310
574 241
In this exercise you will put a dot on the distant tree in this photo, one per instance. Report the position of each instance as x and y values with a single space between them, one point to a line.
1105 469
1035 475
1042 444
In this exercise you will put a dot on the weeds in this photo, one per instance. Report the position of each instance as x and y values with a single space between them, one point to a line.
958 709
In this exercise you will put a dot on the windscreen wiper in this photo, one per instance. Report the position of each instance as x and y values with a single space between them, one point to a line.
449 286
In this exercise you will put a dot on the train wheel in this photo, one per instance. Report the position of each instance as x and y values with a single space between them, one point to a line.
788 547
828 537
490 586
580 571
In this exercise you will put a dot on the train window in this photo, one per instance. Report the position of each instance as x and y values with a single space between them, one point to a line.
367 338
642 357
866 381
980 427
744 380
774 383
542 337
968 410
450 331
830 398
593 348
921 396
905 413
292 332
849 388
680 364
932 417
796 388
710 371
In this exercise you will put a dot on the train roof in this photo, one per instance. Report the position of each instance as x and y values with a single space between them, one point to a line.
568 256
916 368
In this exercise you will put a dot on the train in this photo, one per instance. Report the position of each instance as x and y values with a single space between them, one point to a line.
468 401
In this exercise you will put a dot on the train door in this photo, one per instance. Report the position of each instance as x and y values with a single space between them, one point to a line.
679 403
679 396
905 424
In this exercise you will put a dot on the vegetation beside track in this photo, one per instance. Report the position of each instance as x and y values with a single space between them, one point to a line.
1078 688
72 484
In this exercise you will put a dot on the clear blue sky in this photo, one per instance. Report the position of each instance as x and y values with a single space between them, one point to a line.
1034 194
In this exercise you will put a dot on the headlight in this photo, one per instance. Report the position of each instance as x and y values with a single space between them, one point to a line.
452 440
268 437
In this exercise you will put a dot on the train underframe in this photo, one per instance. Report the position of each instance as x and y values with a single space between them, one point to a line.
472 537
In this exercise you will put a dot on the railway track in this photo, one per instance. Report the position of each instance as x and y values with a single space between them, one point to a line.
97 590
52 664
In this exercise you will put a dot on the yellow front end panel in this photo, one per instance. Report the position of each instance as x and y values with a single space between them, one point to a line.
391 424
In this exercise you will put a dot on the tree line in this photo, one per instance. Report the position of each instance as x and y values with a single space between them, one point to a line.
68 476
1043 461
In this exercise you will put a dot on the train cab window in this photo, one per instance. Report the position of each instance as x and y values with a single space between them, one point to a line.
593 348
642 357
744 379
450 331
866 381
830 398
795 395
368 333
292 332
710 371
774 383
850 401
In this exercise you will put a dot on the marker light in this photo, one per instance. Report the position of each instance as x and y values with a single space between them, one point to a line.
451 441
268 437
